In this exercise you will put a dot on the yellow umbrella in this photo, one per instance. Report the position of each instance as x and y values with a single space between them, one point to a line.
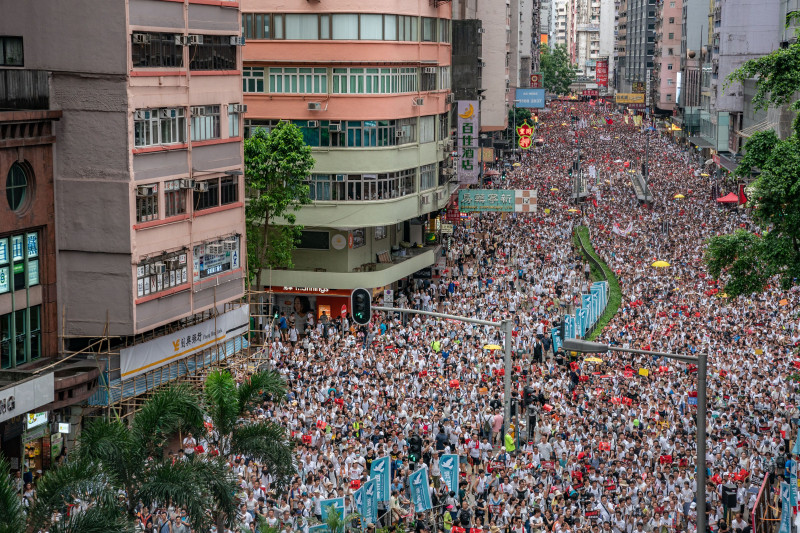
554 189
660 264
573 210
704 174
679 197
517 164
563 123
593 360
723 295
492 347
547 211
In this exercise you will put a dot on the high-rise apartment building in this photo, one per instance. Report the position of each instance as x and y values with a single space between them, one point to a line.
640 43
149 211
496 59
369 87
666 58
584 37
560 19
620 45
739 31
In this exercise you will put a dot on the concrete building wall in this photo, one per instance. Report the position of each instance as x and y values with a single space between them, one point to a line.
607 35
560 19
749 29
496 18
77 36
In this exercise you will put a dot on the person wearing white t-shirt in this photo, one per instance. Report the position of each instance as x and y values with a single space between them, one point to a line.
189 444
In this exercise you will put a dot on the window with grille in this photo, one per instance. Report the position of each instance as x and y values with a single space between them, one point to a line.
155 50
147 203
215 53
208 198
174 198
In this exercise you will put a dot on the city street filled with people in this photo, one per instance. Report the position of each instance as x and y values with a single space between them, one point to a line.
606 446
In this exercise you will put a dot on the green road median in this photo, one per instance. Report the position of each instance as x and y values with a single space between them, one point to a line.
599 272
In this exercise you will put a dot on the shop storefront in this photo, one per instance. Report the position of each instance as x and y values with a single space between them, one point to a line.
24 430
304 300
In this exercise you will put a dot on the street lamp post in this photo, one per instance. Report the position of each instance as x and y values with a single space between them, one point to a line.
582 346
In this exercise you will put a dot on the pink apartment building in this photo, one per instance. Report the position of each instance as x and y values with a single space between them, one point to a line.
368 83
666 60
148 175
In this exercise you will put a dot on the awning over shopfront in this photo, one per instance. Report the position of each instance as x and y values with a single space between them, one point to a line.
730 198
700 142
765 125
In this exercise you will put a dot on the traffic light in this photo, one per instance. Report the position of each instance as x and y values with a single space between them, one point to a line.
360 305
528 395
414 448
570 172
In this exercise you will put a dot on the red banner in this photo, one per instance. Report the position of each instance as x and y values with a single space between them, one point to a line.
601 72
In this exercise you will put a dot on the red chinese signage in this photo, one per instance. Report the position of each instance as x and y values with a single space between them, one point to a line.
525 131
591 92
536 81
601 72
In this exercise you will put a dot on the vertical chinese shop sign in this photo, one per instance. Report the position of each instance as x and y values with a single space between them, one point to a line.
468 135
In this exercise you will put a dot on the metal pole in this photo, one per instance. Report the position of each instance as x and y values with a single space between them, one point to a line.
507 377
702 406
702 361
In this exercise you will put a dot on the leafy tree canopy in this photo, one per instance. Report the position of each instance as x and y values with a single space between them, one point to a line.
277 165
557 70
751 260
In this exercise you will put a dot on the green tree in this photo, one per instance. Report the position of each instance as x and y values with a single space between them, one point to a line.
134 458
265 441
749 260
12 515
557 70
277 165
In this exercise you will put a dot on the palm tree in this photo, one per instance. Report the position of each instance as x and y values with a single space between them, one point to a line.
12 515
264 441
134 459
54 490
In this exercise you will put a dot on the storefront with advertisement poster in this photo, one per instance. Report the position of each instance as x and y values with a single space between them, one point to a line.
304 300
24 429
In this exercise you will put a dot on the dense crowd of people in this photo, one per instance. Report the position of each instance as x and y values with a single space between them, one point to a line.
606 446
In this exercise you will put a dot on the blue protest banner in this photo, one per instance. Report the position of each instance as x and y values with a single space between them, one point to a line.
586 303
381 471
420 490
335 504
786 511
557 342
448 466
369 503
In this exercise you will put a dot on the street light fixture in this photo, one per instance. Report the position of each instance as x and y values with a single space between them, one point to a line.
582 346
